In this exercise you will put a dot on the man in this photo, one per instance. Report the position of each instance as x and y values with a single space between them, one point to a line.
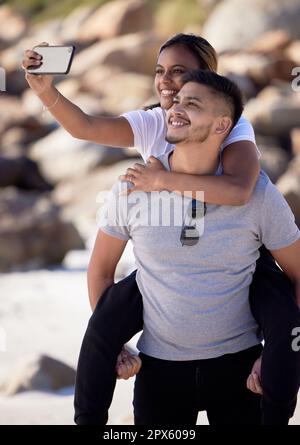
199 341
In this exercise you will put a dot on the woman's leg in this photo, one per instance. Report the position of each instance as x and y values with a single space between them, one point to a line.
117 317
272 301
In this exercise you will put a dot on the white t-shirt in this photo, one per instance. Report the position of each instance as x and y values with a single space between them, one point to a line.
149 129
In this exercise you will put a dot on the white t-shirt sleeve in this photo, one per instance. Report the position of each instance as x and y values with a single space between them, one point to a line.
277 224
113 215
149 131
242 131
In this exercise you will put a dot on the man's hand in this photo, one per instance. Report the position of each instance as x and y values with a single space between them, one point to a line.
144 177
128 365
253 381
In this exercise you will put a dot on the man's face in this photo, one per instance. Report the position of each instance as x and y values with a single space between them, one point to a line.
193 116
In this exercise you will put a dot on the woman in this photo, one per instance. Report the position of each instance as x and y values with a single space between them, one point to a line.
146 130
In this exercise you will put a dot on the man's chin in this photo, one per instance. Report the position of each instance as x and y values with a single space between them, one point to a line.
173 139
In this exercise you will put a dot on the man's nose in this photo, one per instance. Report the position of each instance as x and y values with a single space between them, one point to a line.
177 108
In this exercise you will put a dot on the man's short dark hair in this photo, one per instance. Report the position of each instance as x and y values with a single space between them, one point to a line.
221 86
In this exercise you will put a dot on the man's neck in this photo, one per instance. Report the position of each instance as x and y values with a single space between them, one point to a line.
197 158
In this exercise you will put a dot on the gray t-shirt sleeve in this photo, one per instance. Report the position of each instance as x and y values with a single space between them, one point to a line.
113 216
277 222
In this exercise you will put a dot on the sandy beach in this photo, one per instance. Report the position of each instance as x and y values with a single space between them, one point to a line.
46 311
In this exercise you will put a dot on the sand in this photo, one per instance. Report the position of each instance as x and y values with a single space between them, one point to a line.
47 311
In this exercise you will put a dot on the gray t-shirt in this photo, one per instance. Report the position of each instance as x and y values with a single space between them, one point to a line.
196 297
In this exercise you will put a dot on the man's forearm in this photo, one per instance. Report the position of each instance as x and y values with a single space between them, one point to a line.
96 287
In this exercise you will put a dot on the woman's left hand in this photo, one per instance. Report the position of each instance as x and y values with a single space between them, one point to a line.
144 177
128 365
254 380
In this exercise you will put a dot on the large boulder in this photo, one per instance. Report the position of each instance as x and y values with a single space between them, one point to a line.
293 52
234 24
261 69
138 88
289 185
11 112
80 198
116 18
133 52
13 26
72 24
275 111
39 373
274 159
60 156
32 232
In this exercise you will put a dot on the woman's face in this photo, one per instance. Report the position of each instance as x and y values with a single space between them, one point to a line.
171 64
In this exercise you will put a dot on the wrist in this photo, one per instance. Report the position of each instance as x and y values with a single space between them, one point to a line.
160 180
48 96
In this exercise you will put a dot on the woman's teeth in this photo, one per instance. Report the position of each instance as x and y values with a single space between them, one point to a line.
168 92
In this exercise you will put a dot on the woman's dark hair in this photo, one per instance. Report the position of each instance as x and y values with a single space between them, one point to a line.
196 45
220 86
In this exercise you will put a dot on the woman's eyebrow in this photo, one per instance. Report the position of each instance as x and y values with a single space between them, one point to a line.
173 66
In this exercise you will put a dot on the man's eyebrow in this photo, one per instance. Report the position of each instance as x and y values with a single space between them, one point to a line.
194 98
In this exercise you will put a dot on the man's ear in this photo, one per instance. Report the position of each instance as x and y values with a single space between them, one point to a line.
223 125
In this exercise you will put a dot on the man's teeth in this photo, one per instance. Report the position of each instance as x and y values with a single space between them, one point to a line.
177 124
168 92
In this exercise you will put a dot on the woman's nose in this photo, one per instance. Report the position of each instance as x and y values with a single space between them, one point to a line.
166 76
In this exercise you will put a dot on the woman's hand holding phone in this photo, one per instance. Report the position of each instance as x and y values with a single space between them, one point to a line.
39 83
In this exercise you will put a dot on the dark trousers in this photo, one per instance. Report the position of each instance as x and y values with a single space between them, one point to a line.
171 393
118 316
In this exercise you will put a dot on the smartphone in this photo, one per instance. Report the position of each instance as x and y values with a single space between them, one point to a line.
56 59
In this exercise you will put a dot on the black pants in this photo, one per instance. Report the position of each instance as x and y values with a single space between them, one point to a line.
171 393
118 316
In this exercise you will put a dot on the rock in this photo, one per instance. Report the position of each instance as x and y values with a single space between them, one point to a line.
138 87
32 232
61 156
293 52
274 160
295 139
72 24
274 42
234 24
27 131
245 84
275 111
13 26
132 52
260 68
95 78
23 173
116 18
70 88
11 112
79 198
50 31
39 373
289 185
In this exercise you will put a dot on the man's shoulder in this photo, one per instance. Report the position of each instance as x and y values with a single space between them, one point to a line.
262 185
265 189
